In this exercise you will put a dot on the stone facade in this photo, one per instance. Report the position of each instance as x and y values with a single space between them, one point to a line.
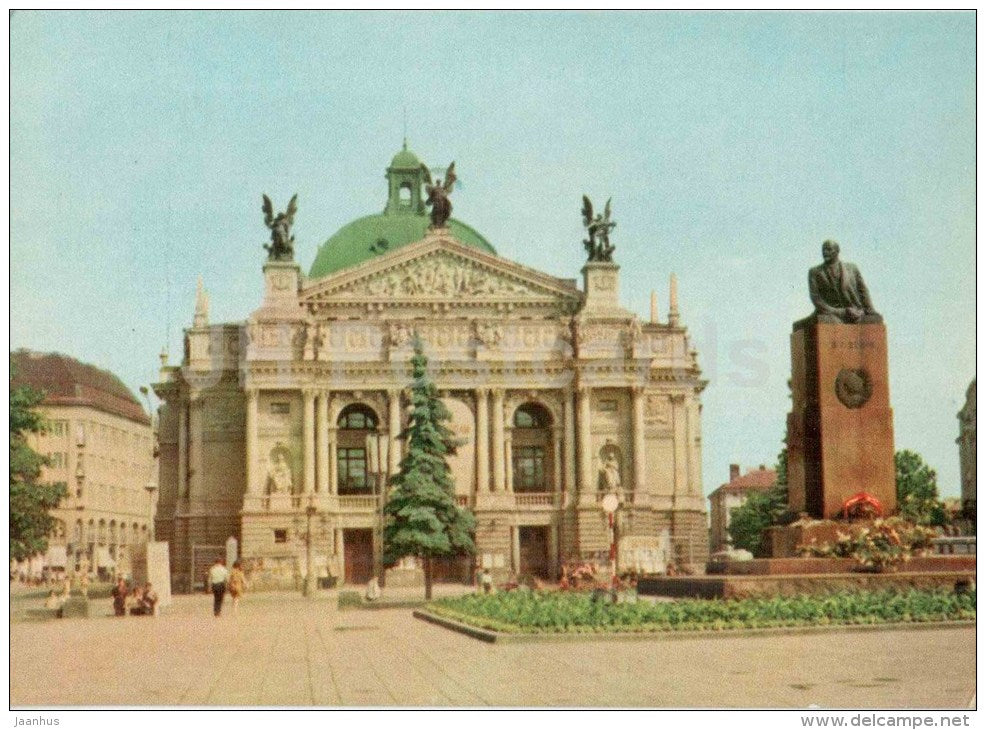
281 430
967 447
100 445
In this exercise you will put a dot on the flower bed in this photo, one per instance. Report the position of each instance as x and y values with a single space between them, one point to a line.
559 612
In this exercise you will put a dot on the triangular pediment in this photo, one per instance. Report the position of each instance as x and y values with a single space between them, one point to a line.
439 268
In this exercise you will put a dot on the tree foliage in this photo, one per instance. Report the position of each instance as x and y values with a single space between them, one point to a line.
423 519
748 521
917 490
760 511
30 501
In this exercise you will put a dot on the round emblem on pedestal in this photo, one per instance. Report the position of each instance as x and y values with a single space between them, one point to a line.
853 387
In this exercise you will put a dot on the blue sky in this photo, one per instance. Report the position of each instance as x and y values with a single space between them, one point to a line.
732 145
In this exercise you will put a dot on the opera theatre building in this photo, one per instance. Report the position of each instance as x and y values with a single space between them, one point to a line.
281 430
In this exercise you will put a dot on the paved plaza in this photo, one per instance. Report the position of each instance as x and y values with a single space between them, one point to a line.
279 649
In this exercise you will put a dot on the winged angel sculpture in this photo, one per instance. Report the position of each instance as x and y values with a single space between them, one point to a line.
597 245
281 246
441 206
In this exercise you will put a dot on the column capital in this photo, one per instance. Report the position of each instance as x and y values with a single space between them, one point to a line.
677 398
637 390
498 393
251 393
482 392
308 393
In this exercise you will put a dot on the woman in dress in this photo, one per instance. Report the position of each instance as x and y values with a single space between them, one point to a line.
237 583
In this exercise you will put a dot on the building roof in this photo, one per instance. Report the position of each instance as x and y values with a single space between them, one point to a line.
67 382
403 221
405 160
374 235
755 480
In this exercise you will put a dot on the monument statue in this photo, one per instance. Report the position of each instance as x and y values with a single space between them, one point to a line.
838 292
281 247
438 196
597 245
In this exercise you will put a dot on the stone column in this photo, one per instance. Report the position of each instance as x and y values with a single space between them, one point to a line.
482 440
584 398
515 548
195 404
333 459
308 440
322 433
639 452
678 417
394 428
182 448
569 418
556 438
499 473
252 482
694 448
508 457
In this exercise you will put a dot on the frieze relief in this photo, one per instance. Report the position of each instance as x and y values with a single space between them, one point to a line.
440 276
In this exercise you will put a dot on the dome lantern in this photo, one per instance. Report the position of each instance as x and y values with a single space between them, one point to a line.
404 180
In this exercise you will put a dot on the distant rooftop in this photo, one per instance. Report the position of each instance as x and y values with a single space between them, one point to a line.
66 381
755 480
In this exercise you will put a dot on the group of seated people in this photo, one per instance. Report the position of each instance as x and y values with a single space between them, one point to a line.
135 601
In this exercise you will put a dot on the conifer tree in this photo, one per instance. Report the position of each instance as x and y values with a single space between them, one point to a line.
422 518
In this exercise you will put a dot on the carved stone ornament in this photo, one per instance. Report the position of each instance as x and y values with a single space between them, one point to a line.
444 277
853 387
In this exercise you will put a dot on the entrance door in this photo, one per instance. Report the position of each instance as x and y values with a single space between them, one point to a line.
534 554
357 546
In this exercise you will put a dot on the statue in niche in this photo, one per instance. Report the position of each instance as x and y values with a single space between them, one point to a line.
281 247
438 196
597 245
610 478
279 478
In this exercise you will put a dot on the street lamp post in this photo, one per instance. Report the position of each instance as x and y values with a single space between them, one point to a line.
611 503
311 580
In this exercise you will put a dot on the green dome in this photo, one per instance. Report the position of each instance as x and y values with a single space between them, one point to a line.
380 234
405 160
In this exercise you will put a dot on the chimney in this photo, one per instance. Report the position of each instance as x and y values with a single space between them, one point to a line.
653 307
733 472
763 468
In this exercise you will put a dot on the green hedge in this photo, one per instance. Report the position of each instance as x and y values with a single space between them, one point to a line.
560 612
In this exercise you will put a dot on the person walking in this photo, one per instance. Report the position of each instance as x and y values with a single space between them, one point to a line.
237 584
218 575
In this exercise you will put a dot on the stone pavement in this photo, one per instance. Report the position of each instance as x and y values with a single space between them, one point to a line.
279 649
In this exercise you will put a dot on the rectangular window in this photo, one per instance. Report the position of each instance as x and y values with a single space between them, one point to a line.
607 405
280 536
353 478
529 469
280 409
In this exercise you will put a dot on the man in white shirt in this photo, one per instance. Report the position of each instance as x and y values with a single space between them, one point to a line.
217 582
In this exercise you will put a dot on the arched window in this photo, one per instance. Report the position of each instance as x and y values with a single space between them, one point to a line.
358 471
532 468
357 417
404 194
102 532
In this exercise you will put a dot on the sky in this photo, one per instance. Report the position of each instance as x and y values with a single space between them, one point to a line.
732 145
